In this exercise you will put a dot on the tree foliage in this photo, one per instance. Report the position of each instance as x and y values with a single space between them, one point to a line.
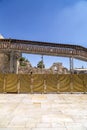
22 59
40 64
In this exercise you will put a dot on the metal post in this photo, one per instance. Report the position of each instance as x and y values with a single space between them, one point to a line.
42 63
71 65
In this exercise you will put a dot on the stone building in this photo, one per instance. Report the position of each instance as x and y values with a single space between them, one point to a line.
58 68
8 60
24 67
9 63
4 61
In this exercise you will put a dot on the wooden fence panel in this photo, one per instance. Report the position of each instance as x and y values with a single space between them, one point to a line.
43 83
37 83
51 83
78 83
11 82
64 83
24 83
1 83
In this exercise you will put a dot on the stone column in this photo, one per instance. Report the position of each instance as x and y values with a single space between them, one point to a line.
14 63
17 55
11 62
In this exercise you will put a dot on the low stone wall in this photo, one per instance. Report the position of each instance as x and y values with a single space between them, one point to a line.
43 83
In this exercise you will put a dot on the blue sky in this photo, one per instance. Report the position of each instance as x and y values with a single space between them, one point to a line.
61 21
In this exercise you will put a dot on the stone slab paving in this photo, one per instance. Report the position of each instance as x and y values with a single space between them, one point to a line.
43 111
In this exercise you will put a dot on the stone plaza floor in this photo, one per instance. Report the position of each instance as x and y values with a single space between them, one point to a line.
43 111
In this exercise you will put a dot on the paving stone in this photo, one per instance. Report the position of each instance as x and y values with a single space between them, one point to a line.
45 125
49 128
43 112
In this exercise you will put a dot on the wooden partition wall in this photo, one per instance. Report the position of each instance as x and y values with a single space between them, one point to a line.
43 83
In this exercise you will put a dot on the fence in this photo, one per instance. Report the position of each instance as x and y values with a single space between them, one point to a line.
43 83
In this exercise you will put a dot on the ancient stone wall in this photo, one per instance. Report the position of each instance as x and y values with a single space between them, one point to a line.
4 63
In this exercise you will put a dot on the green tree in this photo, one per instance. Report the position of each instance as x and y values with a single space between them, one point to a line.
22 59
40 64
